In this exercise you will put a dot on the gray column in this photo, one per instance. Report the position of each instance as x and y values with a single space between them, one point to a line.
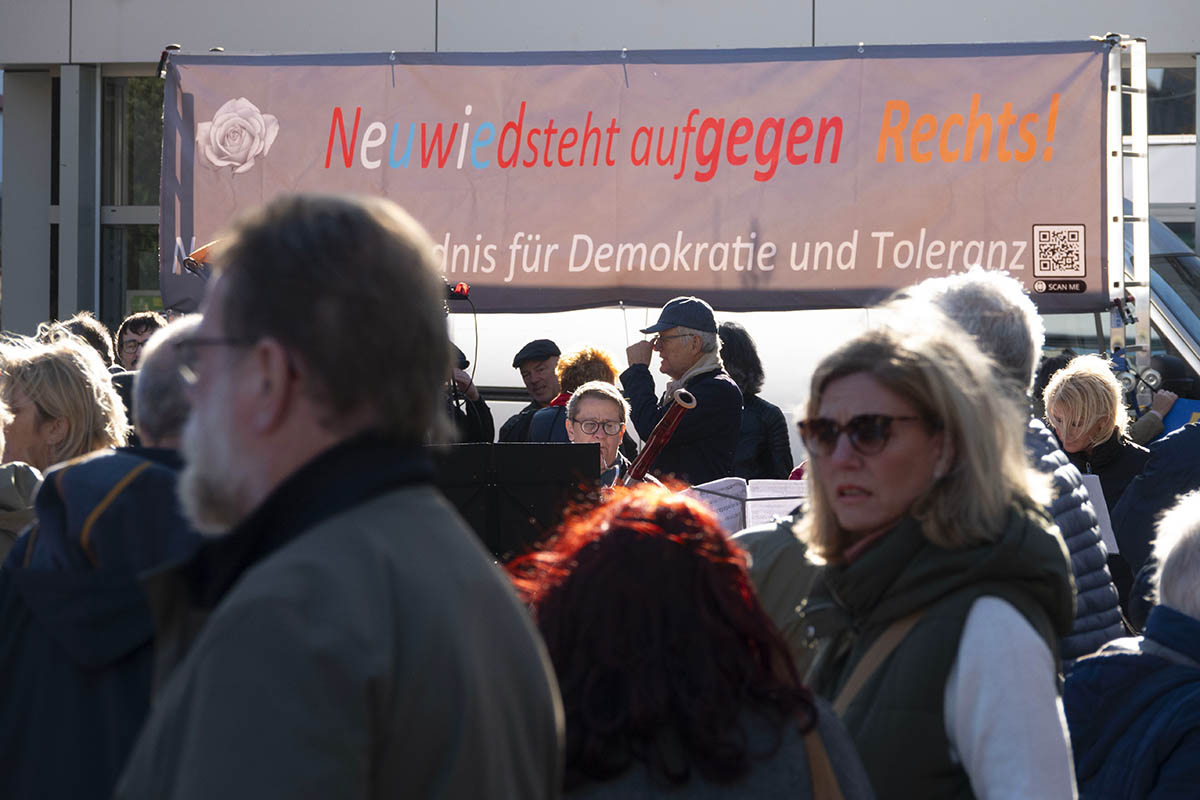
78 174
25 233
1196 195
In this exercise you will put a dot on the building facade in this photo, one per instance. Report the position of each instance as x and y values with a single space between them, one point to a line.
82 104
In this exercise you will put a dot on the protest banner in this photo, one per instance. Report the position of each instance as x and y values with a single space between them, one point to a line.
759 179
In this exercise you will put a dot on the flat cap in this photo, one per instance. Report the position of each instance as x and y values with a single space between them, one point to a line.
536 350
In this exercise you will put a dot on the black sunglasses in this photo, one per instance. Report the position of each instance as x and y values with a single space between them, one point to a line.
868 433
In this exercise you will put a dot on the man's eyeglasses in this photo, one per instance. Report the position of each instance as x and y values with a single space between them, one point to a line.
868 433
590 426
188 352
660 337
131 346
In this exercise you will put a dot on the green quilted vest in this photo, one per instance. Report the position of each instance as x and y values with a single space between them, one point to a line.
897 720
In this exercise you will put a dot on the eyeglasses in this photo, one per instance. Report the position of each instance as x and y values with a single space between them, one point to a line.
590 426
187 352
131 346
657 339
868 433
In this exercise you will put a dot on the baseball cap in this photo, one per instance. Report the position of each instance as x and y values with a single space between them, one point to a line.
686 312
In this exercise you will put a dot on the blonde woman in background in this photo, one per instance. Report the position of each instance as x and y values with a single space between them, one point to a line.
62 401
19 483
1084 406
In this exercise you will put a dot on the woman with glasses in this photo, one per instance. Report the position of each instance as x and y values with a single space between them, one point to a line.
945 587
597 412
674 681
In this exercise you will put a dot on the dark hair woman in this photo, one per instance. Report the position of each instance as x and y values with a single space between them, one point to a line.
672 677
763 449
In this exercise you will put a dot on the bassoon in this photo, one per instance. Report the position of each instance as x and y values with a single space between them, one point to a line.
658 438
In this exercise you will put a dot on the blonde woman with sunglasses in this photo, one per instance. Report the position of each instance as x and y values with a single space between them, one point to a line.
945 588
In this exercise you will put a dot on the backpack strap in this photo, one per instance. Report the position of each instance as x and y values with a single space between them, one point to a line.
876 654
824 779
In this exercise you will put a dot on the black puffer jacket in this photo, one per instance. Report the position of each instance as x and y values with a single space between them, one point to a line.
763 448
1117 461
1097 615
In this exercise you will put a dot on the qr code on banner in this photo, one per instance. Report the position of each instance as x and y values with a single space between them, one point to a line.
1058 251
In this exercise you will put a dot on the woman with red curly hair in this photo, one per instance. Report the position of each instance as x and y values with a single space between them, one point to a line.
586 365
673 679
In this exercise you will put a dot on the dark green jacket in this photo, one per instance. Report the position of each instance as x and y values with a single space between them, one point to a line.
897 720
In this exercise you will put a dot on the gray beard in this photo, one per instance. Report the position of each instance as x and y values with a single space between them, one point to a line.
205 505
210 492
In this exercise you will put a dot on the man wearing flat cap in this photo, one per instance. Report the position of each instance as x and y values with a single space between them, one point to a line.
689 350
536 361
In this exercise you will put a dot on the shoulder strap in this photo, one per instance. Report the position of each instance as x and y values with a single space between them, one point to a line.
824 780
876 654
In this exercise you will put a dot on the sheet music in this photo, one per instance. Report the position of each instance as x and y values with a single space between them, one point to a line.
767 499
727 499
741 505
1096 495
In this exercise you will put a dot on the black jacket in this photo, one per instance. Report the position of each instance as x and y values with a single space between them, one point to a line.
76 634
1134 712
1172 469
1117 461
703 445
763 448
516 429
472 419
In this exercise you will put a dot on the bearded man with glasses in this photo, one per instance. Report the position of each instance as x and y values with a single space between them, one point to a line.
343 633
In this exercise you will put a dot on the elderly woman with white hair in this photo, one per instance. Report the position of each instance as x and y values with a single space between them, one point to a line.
1134 707
945 587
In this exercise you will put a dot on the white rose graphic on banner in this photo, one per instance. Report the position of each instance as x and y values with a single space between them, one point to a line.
238 135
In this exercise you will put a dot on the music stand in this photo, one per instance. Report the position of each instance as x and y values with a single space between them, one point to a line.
513 494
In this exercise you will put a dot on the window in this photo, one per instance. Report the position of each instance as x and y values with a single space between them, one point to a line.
1170 101
130 165
130 256
1185 231
131 141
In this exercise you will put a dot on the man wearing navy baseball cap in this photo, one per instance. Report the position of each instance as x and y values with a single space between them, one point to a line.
689 352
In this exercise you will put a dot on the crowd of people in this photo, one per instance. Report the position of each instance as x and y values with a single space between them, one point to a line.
227 571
